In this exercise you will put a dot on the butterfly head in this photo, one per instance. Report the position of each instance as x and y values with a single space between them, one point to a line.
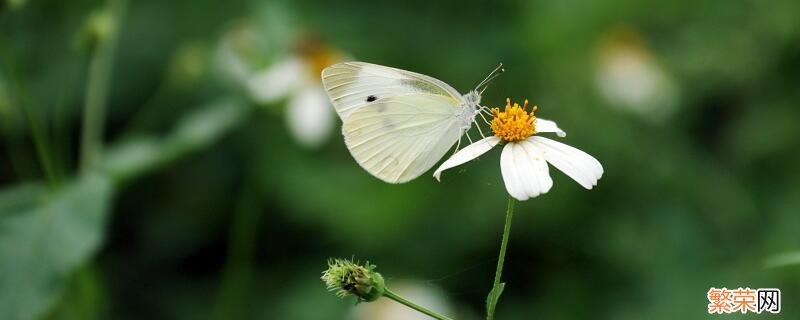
472 99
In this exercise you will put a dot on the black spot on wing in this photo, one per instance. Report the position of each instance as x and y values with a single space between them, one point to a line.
371 98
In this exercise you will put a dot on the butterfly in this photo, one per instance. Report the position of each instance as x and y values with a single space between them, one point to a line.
397 124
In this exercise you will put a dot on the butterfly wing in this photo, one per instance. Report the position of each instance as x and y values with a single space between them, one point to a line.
398 138
352 85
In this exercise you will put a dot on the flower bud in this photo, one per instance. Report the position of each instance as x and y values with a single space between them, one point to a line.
346 277
96 29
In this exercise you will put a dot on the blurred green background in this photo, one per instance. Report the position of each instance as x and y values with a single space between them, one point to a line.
149 171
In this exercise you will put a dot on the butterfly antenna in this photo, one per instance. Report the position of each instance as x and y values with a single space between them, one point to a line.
492 75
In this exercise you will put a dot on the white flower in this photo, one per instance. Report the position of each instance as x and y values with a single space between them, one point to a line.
523 162
296 77
630 78
309 114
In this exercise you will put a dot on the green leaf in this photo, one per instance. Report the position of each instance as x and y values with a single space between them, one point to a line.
493 297
44 239
783 260
83 297
140 154
21 197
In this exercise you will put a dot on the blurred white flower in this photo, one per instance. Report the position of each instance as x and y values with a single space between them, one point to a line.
294 76
241 51
310 116
525 156
386 309
279 80
630 78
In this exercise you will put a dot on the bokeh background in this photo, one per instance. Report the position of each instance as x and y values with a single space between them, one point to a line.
173 159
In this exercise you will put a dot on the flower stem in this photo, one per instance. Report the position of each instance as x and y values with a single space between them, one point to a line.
497 287
32 113
99 76
237 274
391 295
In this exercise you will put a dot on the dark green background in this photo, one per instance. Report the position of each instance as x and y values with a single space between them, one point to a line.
237 222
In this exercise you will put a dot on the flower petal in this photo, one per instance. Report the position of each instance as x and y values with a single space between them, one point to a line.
543 125
278 80
466 154
541 173
309 116
508 167
525 171
576 164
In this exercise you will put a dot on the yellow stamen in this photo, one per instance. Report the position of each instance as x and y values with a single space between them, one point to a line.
318 55
514 123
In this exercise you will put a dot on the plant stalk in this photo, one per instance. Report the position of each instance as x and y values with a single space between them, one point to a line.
94 111
502 258
391 295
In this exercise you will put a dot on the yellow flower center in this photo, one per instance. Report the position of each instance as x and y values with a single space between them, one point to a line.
514 123
318 55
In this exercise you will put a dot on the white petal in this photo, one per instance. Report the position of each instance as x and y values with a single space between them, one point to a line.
576 164
541 173
278 80
525 171
466 154
310 116
508 167
543 125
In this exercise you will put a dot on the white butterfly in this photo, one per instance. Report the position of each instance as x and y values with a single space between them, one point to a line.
397 124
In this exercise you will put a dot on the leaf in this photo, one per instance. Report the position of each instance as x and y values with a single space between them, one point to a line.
137 155
46 235
83 297
44 239
783 260
493 297
21 197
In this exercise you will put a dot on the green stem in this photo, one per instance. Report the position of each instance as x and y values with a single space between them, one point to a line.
501 260
391 295
97 89
31 112
42 145
237 273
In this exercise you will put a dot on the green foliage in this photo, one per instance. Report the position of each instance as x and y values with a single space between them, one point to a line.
700 188
44 238
140 154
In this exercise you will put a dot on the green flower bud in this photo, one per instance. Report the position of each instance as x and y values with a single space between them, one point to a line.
97 28
345 277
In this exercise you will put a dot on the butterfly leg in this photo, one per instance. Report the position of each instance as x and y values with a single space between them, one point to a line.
480 113
487 111
458 144
477 125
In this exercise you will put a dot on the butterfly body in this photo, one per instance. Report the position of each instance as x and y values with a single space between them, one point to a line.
472 105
